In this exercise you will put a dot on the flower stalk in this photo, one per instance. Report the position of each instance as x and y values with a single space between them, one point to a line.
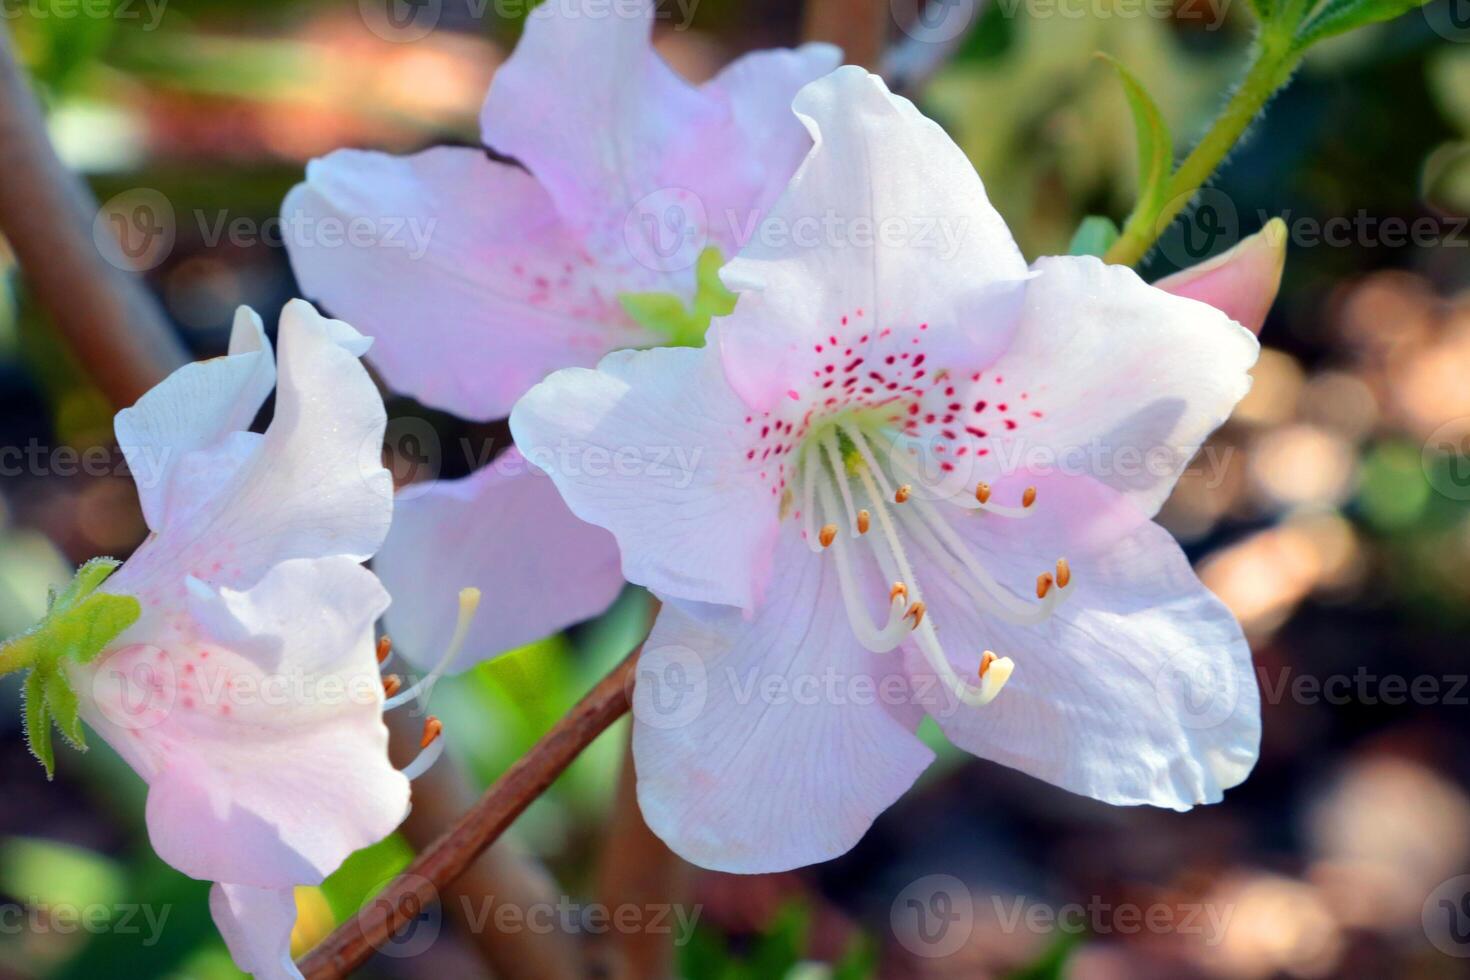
1275 57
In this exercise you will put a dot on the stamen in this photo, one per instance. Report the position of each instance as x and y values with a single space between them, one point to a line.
1064 573
862 522
982 493
866 452
391 684
829 533
385 648
878 640
431 748
916 612
469 603
923 630
839 474
986 659
809 500
902 494
1043 585
930 531
1028 497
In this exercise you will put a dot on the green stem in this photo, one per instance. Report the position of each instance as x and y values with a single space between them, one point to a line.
1271 67
18 653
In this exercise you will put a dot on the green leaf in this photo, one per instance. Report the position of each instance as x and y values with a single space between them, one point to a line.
1094 236
665 313
37 722
1155 145
1341 16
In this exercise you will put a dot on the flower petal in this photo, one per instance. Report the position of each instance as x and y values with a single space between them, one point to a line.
1138 689
314 485
646 169
194 408
771 742
270 763
1241 282
760 87
626 126
504 530
655 447
256 924
885 227
1109 377
470 284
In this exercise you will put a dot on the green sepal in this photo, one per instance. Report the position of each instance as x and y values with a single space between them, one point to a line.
80 623
1094 236
666 314
62 705
1155 145
86 581
37 722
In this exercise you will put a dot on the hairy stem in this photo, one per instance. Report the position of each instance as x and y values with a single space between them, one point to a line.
1273 61
447 858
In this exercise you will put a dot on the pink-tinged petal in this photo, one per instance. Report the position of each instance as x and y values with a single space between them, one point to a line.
759 88
1138 689
626 126
646 169
256 924
194 408
504 530
468 281
1242 282
256 718
313 485
655 447
1105 376
882 240
770 742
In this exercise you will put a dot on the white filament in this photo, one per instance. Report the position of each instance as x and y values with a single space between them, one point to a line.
469 603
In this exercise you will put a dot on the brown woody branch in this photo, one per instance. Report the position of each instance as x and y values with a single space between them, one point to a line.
46 213
447 858
858 27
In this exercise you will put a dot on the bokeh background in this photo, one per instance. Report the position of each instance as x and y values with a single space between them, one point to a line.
1332 513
